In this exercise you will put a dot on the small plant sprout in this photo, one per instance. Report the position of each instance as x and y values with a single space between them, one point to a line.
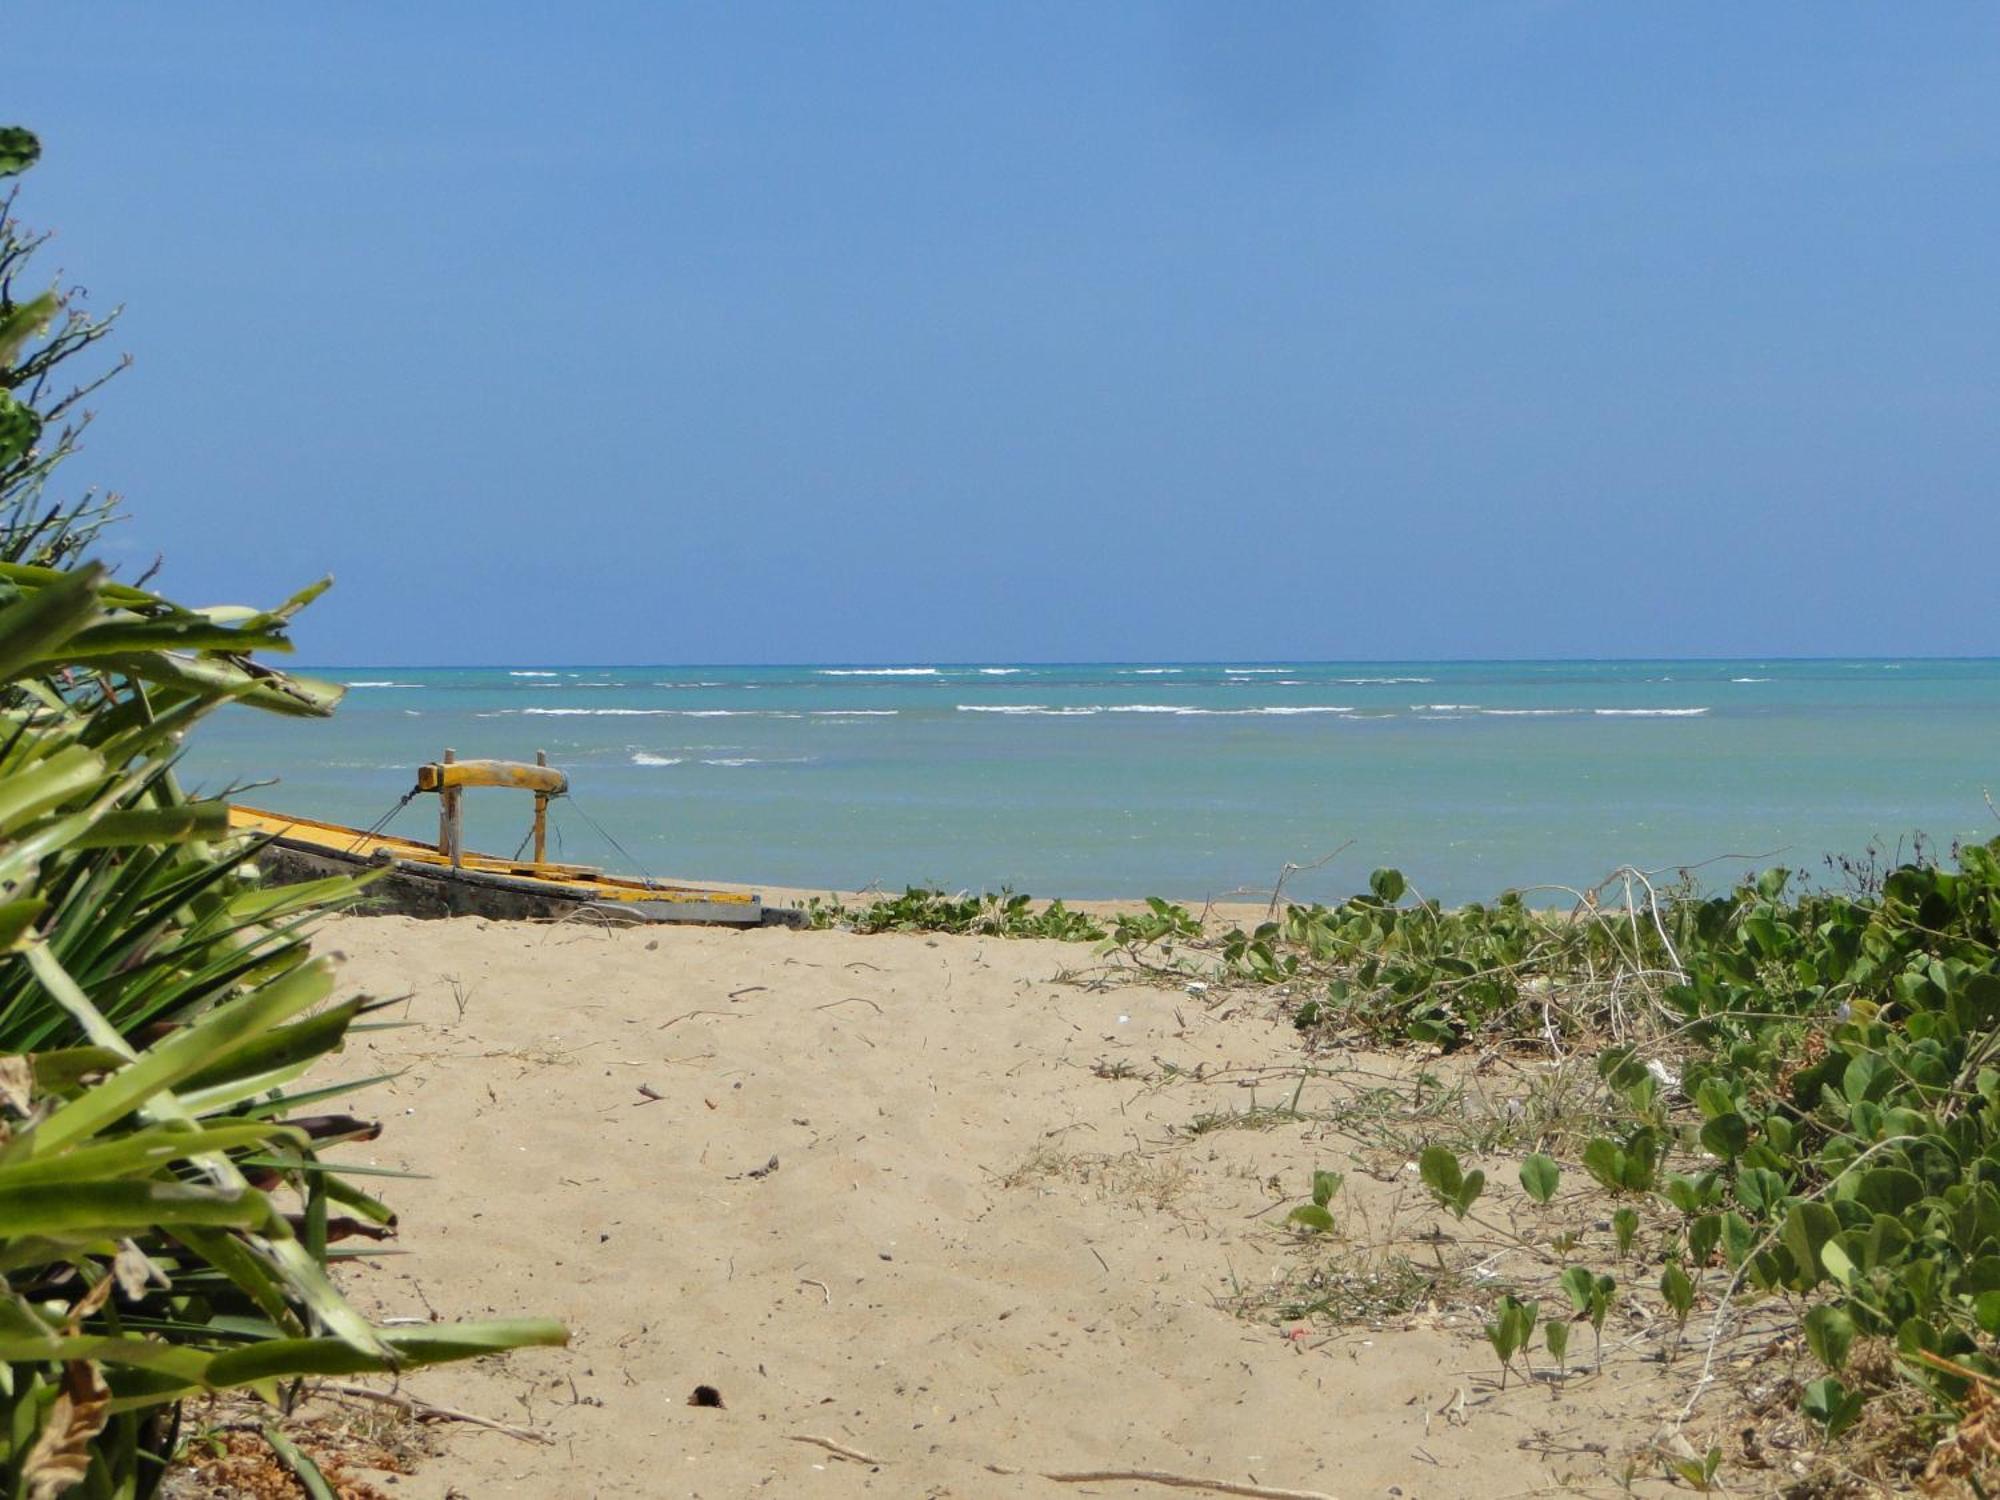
1699 1473
1591 1297
1453 1187
1539 1177
1512 1327
1832 1405
1314 1217
1624 1225
1678 1291
1555 1338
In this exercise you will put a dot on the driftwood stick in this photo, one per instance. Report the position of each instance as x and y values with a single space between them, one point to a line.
851 1000
1184 1482
836 1449
424 1411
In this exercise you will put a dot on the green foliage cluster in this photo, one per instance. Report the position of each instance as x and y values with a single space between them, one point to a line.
168 1209
1418 971
1834 1100
920 909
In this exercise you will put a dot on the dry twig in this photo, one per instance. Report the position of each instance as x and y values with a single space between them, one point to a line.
424 1411
838 1450
1184 1482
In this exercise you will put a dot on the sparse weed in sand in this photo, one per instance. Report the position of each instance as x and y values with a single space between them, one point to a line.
1361 1288
1157 1180
1782 1106
1251 1117
919 909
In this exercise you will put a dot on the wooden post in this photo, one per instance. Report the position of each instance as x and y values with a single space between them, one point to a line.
541 815
451 836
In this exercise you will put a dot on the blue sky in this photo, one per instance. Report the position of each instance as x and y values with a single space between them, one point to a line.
746 332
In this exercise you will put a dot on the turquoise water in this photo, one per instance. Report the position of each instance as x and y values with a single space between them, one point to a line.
1176 779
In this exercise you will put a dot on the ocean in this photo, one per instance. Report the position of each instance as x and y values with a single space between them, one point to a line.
1178 779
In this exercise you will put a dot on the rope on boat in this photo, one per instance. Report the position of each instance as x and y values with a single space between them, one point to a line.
605 834
602 832
383 822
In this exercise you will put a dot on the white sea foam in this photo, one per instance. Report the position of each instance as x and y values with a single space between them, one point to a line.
757 760
855 713
1528 713
649 713
641 758
382 684
1749 679
1648 713
1179 710
1380 681
1023 708
531 674
878 671
1255 671
1440 716
1447 708
999 671
1150 671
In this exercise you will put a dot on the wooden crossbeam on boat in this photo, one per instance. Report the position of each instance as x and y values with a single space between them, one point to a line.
445 879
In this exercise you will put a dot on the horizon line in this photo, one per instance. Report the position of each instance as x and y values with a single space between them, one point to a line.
1223 661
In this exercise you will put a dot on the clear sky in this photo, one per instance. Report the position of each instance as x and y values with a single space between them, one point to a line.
638 332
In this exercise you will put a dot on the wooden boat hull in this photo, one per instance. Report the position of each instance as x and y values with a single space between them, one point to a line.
417 881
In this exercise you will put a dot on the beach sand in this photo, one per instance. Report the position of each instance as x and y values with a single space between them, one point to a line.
913 1197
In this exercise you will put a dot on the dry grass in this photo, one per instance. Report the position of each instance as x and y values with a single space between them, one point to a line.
223 1454
1156 1180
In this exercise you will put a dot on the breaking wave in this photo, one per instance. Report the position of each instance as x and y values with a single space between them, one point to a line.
1176 709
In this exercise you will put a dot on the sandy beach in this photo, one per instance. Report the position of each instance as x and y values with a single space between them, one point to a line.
930 1218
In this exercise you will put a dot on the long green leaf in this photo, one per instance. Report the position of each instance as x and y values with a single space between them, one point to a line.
53 1209
209 676
70 773
301 1467
285 1358
141 1153
157 825
281 1047
187 1364
38 624
166 1064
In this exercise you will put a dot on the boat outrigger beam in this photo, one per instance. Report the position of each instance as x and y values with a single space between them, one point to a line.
448 776
447 879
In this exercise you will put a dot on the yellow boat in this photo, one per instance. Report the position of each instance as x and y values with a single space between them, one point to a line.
445 879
